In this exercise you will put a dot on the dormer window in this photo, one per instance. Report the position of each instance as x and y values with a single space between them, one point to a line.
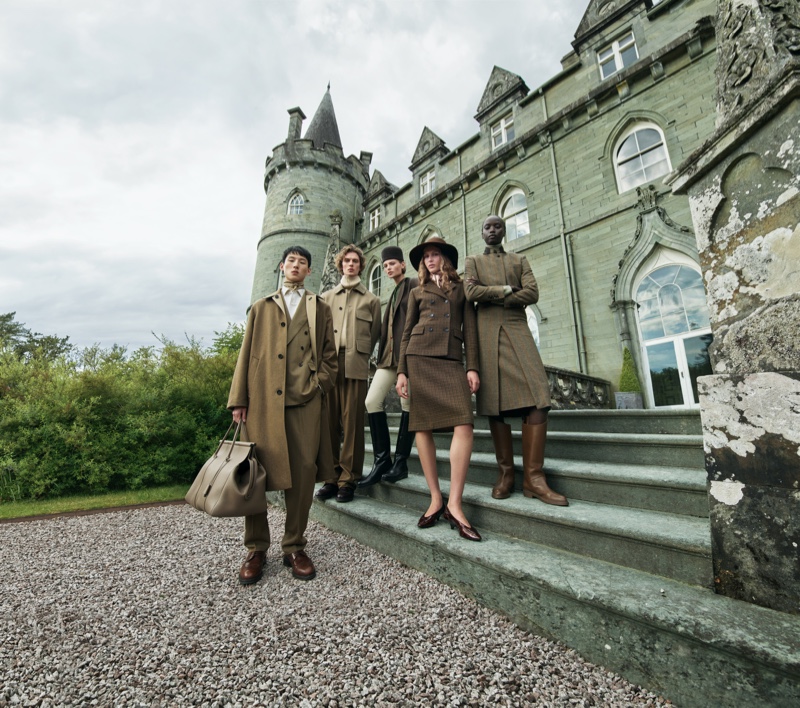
503 131
296 204
617 56
374 219
427 183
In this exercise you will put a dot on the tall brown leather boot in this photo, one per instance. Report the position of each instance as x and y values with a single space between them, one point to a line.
504 452
534 484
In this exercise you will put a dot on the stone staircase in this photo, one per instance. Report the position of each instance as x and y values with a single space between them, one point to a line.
623 575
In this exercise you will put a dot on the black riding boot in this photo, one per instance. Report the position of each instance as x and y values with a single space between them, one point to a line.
401 453
381 449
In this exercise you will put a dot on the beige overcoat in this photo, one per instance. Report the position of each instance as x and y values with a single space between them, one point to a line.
260 378
520 368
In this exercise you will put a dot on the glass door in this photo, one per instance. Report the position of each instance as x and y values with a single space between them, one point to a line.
674 366
674 323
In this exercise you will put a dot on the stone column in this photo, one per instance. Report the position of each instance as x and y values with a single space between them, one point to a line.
744 189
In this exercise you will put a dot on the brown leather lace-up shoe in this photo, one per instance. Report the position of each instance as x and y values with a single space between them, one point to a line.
301 565
327 491
253 568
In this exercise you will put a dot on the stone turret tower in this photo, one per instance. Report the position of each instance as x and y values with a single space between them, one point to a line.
314 197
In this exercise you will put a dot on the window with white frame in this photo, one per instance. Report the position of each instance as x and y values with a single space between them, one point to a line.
427 183
514 211
296 204
374 219
640 156
503 131
375 279
617 56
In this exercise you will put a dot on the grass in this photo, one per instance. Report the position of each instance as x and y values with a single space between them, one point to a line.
14 510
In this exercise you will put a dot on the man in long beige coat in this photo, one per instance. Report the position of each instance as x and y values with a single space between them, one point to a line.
286 366
513 379
356 329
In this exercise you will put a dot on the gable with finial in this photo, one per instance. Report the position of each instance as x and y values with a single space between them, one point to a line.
502 89
429 148
599 14
379 187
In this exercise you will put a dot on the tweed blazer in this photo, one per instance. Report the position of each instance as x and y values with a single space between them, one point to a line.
497 312
362 312
392 326
439 324
259 381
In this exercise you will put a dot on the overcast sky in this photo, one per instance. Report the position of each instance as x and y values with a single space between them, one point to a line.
133 136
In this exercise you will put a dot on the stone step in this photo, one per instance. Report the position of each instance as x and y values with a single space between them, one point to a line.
677 490
672 546
641 448
680 640
651 449
672 421
665 422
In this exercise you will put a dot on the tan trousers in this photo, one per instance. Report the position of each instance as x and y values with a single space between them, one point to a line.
383 381
346 414
302 432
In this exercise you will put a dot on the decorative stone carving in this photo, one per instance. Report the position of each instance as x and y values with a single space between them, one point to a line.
755 40
330 275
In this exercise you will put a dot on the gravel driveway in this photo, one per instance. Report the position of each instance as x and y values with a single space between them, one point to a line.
143 608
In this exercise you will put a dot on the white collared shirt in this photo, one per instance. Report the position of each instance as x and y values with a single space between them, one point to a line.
292 298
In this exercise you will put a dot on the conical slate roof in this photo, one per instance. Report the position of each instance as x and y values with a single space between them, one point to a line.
323 127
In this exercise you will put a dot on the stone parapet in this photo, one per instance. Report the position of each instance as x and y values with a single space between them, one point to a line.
572 390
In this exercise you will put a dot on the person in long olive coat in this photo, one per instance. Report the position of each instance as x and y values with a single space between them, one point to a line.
513 380
287 364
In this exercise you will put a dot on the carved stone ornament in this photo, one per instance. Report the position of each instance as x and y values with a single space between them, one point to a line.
646 198
755 40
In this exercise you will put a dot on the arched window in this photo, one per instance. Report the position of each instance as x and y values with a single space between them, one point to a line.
296 204
375 279
514 211
640 156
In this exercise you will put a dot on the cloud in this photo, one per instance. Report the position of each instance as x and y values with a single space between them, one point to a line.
133 136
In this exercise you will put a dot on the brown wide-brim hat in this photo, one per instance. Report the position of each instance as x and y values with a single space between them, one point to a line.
447 249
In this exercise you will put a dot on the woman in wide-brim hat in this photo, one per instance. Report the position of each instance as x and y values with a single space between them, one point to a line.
440 327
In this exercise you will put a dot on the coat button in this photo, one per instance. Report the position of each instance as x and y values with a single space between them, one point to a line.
446 329
447 314
430 329
431 315
446 302
283 324
279 392
280 356
336 331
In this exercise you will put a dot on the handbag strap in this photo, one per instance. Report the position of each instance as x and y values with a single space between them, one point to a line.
236 434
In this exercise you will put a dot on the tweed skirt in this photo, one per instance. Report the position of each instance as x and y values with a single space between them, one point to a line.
439 394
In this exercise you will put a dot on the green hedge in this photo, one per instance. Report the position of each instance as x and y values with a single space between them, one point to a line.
105 420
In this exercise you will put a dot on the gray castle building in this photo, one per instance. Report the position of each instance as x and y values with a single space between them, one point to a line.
576 167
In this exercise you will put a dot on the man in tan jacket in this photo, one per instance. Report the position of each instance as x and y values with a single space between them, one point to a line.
356 330
286 366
